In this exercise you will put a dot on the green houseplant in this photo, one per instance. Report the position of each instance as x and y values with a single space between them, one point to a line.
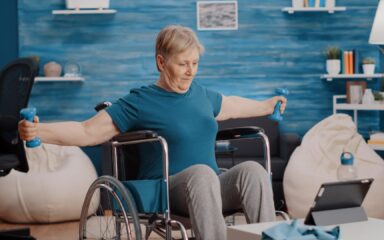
333 60
333 52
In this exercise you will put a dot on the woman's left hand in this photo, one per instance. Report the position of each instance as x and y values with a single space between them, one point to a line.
274 100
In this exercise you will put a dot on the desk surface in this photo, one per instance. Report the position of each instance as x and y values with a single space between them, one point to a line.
371 229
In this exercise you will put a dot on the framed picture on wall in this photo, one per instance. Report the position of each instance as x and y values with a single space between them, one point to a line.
217 15
355 91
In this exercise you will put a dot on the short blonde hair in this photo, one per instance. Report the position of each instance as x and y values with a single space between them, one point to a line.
175 39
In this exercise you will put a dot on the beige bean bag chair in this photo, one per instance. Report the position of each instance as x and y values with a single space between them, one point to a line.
317 159
52 191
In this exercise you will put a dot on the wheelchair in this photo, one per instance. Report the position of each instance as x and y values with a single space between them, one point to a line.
126 202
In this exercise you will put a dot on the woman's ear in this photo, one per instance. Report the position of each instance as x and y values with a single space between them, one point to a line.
160 62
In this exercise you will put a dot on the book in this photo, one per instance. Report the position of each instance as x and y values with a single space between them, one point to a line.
356 61
377 136
351 65
311 3
376 142
342 67
345 62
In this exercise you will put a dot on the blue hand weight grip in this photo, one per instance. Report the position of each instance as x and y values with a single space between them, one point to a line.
29 114
276 116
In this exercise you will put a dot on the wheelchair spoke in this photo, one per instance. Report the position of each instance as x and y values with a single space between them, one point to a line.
110 218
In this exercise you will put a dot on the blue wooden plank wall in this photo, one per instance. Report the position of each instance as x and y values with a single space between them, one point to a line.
269 50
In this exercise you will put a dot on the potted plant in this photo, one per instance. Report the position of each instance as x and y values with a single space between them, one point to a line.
368 65
333 60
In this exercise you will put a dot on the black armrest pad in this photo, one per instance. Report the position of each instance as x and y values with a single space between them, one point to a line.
135 135
288 143
237 133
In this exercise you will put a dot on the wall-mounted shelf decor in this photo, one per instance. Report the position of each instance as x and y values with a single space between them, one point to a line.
292 10
337 105
59 79
330 77
83 11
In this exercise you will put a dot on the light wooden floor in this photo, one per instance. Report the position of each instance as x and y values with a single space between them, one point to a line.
66 230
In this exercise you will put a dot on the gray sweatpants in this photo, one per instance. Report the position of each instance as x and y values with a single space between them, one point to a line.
200 193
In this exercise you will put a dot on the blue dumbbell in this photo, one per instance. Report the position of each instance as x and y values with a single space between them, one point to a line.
276 116
29 114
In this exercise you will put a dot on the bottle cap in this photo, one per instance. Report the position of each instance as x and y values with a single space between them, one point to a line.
346 158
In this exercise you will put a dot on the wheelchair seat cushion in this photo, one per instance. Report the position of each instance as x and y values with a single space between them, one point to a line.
52 191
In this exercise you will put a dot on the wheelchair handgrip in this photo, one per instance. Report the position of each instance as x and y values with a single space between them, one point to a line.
238 133
135 135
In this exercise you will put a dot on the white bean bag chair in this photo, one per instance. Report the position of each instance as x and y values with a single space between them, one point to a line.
52 191
316 161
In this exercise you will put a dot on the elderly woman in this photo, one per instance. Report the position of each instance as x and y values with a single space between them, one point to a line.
185 114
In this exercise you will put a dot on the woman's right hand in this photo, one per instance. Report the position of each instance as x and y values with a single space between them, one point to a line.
28 130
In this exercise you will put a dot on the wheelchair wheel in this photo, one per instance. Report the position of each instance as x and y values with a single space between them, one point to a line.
116 215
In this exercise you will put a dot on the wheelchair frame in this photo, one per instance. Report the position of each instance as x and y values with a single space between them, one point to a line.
145 136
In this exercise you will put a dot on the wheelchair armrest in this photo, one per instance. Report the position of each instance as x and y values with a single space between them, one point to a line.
238 133
288 143
135 135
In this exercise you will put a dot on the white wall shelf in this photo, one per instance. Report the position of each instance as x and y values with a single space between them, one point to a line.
83 11
337 105
292 10
59 79
330 77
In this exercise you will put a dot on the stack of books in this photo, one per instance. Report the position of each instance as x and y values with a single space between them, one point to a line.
314 3
376 140
350 62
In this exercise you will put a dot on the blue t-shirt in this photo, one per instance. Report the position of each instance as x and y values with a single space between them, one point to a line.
186 121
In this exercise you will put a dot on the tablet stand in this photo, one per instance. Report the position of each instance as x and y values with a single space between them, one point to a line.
337 216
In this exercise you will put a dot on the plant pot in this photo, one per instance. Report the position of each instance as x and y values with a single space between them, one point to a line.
369 68
297 3
333 66
329 3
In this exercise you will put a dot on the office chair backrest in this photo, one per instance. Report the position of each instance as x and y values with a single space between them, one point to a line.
16 81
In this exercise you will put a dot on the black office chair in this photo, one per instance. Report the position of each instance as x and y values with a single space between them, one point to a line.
16 81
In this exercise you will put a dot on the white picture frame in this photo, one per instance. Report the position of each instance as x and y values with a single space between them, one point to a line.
217 15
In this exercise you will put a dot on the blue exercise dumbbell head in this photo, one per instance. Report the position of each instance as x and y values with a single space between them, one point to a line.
276 115
29 114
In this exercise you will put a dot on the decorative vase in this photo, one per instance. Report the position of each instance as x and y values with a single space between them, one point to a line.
333 66
369 68
329 3
52 69
368 97
297 3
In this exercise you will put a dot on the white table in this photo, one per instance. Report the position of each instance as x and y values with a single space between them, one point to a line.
370 230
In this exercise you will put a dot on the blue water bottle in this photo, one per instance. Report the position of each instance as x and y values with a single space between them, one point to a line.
346 170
